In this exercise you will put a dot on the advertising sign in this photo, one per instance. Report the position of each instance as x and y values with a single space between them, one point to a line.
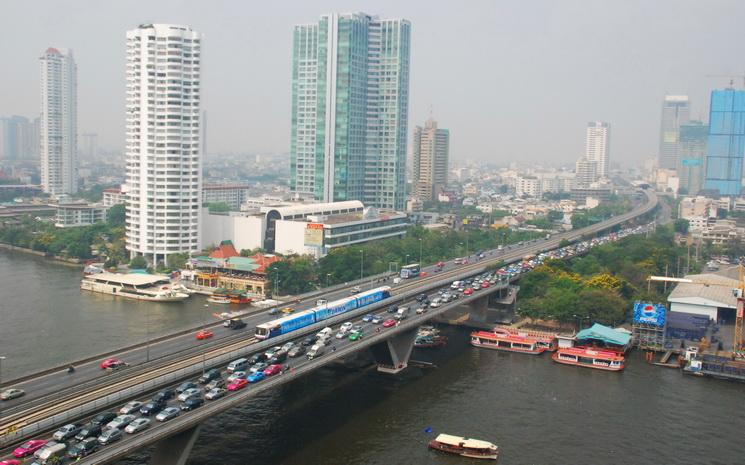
313 235
650 314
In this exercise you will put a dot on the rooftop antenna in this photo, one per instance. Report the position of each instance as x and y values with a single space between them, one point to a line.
731 78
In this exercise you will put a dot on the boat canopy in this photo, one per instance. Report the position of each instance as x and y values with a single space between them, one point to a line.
458 441
604 333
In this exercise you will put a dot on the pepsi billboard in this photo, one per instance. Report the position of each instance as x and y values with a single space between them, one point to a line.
649 314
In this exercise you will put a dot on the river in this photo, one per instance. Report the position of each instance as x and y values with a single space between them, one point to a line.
537 411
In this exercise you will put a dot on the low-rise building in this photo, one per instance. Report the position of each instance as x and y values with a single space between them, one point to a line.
113 196
232 194
71 215
693 207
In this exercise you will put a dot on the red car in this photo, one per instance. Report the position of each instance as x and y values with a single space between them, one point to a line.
423 274
204 334
28 448
10 462
112 363
467 291
272 370
485 284
389 322
238 384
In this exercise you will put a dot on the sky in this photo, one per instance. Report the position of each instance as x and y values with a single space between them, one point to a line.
513 80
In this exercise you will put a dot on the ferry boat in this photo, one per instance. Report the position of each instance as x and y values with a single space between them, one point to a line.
590 358
472 448
512 341
134 286
222 296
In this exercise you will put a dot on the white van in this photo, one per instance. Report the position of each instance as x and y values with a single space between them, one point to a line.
456 284
52 454
325 333
238 365
316 350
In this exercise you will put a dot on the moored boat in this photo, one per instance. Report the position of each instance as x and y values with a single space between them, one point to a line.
507 342
427 341
473 448
590 358
133 286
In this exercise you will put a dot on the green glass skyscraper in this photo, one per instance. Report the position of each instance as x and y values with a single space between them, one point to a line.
350 100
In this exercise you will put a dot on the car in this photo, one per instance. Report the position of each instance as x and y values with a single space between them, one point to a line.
345 327
234 323
288 310
355 335
355 290
485 284
421 297
256 377
204 334
421 310
215 393
377 319
138 425
215 384
192 392
164 395
423 274
256 358
238 384
109 436
130 407
103 418
185 385
168 413
28 448
270 353
392 309
367 318
296 351
435 303
152 408
279 357
10 462
287 346
12 393
389 322
261 366
272 370
85 447
467 291
67 432
273 311
308 341
112 364
119 422
236 375
191 403
91 430
209 375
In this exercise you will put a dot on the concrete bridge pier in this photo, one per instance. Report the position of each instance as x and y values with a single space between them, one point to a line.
175 450
392 355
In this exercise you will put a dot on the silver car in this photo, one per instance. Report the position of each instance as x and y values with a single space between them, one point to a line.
138 425
189 393
109 436
215 383
120 422
215 393
131 407
169 413
11 393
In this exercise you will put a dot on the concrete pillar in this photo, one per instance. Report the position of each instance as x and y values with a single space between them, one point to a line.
392 355
175 450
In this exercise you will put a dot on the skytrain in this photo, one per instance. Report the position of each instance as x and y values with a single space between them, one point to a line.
305 318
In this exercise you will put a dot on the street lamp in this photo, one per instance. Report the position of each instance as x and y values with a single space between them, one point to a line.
2 357
406 260
362 262
420 252
328 275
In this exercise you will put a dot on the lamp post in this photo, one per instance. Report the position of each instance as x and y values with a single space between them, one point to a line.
2 357
328 276
406 260
362 262
420 252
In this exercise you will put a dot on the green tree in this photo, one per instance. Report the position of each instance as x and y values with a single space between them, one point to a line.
116 215
681 226
217 207
138 263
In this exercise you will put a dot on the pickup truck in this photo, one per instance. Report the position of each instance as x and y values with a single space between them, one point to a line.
234 323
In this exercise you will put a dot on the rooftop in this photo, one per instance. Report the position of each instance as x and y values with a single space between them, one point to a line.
133 279
710 289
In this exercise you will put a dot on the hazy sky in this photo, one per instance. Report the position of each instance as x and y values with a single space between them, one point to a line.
511 79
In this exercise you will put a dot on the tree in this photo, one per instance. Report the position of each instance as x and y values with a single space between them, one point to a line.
681 226
116 215
218 207
138 263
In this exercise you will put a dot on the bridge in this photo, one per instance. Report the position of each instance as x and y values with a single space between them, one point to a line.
179 358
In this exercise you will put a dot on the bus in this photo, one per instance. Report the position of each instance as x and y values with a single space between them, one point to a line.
410 271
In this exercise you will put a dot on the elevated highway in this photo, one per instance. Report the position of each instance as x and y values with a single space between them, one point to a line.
98 393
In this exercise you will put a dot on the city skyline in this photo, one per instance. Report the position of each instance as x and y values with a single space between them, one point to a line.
519 83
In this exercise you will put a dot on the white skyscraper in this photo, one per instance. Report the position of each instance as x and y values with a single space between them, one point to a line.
431 153
59 122
597 146
164 163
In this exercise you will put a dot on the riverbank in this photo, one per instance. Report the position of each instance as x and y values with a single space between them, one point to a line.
56 258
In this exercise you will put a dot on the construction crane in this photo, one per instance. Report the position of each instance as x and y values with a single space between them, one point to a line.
730 76
738 292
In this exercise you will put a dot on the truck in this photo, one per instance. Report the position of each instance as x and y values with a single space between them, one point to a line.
401 313
234 323
316 350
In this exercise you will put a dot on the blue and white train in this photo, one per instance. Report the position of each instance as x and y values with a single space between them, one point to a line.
322 312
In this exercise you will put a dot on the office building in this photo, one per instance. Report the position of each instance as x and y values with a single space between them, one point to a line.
59 122
19 139
597 146
691 156
431 152
586 172
675 112
726 142
234 195
163 149
89 146
73 215
350 100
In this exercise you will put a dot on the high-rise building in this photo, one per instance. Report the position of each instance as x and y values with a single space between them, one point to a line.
59 122
586 172
691 156
597 146
18 139
163 149
431 152
89 145
675 112
726 142
350 100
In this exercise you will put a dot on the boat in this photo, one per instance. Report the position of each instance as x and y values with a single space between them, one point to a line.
155 288
223 296
590 358
473 448
239 298
430 341
513 341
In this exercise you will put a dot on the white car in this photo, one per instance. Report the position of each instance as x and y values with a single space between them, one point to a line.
137 425
421 310
11 393
345 327
131 407
435 303
120 422
189 393
236 375
215 394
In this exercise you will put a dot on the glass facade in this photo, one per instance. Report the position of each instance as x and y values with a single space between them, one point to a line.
726 142
692 153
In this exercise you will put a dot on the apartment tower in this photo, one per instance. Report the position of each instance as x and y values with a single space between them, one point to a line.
430 159
597 146
163 147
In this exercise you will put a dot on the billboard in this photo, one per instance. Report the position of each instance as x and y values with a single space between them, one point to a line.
649 314
313 235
